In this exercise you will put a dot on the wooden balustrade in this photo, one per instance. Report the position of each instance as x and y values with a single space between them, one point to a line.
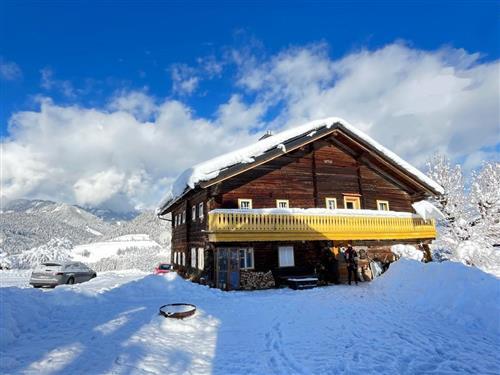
230 226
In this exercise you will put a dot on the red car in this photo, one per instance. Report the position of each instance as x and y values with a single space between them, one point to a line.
162 268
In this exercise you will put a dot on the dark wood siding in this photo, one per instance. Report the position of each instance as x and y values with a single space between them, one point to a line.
308 176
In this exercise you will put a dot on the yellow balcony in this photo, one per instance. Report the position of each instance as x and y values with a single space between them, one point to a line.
267 225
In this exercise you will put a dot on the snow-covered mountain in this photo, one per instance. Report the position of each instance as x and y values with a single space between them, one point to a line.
27 224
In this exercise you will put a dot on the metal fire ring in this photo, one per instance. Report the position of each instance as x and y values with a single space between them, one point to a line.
189 310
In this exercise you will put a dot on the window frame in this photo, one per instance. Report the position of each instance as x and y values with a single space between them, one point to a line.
278 201
280 258
246 250
201 208
183 217
241 200
381 201
183 258
354 199
194 254
201 258
329 199
193 212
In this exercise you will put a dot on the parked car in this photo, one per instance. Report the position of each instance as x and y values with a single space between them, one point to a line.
162 268
51 274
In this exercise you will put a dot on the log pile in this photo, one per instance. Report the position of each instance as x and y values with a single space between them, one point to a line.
250 280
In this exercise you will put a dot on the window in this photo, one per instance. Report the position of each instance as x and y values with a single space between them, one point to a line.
331 203
383 205
183 258
201 258
285 255
183 216
176 258
245 204
282 203
200 210
193 213
351 202
246 258
193 257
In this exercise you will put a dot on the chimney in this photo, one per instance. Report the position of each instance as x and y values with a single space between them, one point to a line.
268 134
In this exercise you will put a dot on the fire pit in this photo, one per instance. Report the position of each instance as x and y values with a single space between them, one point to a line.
177 310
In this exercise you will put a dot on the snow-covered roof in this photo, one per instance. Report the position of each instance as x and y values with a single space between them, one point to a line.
210 169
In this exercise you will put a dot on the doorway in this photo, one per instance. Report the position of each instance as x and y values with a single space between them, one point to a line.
228 268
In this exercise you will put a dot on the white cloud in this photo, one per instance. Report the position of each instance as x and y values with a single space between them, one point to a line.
184 79
414 102
48 82
9 70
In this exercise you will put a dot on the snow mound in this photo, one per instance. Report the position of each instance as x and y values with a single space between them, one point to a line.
407 251
464 295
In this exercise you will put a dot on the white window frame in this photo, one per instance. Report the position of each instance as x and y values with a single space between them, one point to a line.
193 213
183 258
286 260
285 201
201 207
379 202
183 217
249 201
201 258
246 250
356 201
193 257
330 200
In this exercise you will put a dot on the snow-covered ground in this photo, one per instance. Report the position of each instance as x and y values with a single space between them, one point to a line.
93 252
416 318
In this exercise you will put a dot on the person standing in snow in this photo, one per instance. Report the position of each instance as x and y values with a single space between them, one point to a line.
351 258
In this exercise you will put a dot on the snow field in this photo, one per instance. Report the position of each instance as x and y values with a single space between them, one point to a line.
93 252
416 318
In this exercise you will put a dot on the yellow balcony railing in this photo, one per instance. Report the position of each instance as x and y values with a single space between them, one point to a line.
232 225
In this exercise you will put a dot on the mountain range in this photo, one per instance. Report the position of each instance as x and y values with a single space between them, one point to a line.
27 223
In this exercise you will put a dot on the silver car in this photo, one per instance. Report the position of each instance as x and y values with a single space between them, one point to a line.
51 274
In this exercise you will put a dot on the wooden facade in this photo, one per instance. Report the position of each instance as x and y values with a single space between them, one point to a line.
310 174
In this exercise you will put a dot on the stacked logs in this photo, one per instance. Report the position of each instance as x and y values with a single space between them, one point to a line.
250 280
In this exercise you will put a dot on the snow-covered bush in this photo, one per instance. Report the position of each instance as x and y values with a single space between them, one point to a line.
470 230
5 262
57 249
144 259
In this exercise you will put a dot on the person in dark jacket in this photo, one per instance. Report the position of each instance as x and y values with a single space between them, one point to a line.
351 258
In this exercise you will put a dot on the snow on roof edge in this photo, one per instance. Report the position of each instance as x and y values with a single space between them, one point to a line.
211 168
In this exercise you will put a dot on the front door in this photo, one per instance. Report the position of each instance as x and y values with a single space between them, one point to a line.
228 268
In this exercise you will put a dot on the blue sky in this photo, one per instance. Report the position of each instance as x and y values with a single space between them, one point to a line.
206 56
113 45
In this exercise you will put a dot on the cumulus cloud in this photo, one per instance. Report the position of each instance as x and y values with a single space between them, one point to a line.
413 101
9 70
129 152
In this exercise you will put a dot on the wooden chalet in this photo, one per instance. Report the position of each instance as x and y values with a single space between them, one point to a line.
290 202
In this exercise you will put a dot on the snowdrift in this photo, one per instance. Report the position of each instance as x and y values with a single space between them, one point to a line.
465 295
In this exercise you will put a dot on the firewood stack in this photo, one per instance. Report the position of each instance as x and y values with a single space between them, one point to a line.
250 280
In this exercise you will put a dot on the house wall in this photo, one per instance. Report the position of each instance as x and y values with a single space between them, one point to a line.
306 177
